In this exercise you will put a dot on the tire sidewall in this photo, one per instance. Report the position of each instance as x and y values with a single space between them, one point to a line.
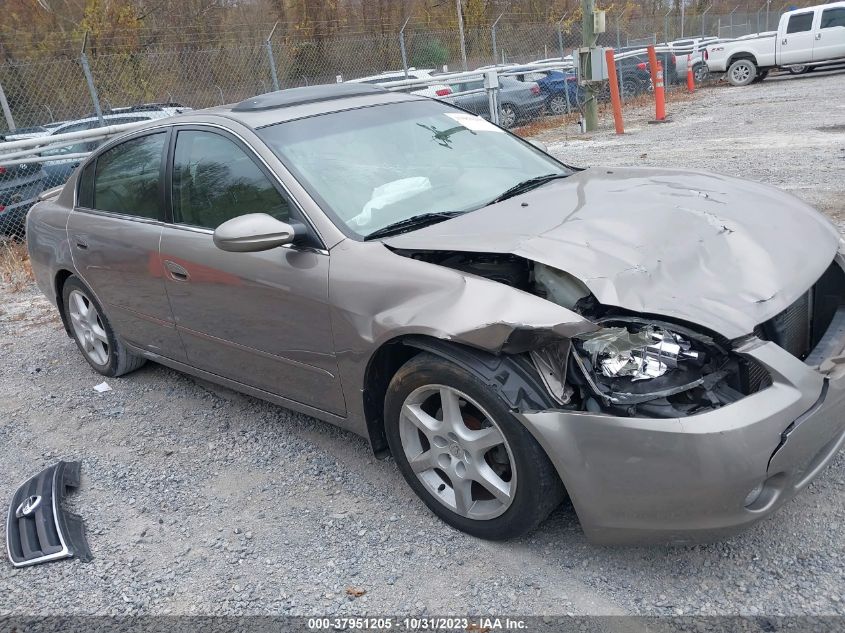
110 368
752 75
520 517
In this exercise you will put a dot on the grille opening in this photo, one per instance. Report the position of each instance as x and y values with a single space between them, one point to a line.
800 327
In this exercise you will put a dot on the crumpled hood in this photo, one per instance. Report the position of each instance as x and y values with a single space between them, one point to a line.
721 252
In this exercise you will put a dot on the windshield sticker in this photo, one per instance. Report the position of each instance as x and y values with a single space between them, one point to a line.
472 122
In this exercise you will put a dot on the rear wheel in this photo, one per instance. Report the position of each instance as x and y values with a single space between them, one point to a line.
507 115
463 453
700 73
557 105
93 333
742 72
798 70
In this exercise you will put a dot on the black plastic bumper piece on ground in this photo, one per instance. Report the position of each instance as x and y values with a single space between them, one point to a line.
38 529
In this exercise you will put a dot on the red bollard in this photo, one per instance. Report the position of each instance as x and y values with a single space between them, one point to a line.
657 81
615 98
690 76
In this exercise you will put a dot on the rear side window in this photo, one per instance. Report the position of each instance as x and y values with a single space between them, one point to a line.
214 181
800 22
833 17
127 177
85 196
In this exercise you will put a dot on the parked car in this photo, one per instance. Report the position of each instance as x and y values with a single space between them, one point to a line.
518 101
661 345
691 51
425 74
559 88
668 61
59 170
810 37
23 133
20 186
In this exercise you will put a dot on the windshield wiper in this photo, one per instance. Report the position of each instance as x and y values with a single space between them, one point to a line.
414 222
526 185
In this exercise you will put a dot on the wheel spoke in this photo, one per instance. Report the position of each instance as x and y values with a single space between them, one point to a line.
420 419
479 442
494 484
422 462
451 406
463 495
99 333
79 303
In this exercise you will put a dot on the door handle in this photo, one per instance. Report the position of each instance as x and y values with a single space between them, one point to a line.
818 36
80 243
783 41
177 272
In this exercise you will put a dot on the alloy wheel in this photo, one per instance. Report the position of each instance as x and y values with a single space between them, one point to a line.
507 116
557 105
458 452
740 73
88 328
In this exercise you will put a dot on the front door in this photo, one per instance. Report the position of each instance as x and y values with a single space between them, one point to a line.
796 45
830 36
261 319
114 234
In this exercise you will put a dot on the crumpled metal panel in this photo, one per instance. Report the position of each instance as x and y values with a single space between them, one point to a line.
713 250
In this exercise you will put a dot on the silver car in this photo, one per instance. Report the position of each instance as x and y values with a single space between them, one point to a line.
663 346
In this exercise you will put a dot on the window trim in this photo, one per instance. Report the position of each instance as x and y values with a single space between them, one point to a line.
297 211
166 129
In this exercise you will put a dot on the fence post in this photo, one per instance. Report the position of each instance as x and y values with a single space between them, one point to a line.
491 85
272 60
7 111
666 26
560 35
703 17
402 47
89 78
493 29
461 29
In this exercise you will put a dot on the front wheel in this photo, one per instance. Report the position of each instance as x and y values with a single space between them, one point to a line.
93 333
742 72
464 454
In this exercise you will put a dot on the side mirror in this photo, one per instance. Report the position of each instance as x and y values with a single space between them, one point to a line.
540 145
253 232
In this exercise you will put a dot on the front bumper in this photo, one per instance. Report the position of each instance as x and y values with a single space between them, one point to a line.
635 480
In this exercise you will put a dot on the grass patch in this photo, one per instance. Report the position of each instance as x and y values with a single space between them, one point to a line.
15 271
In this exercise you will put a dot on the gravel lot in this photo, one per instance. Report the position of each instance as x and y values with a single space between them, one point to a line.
201 500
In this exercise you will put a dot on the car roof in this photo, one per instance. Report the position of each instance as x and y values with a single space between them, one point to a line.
152 115
297 103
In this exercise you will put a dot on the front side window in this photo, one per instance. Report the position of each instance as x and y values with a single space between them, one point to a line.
214 181
127 177
800 22
373 167
833 17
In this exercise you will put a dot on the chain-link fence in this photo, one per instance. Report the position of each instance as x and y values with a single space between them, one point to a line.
44 97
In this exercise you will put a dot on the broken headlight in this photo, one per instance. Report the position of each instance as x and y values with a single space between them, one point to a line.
633 361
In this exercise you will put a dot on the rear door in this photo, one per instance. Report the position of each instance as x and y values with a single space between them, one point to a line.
261 319
114 232
796 43
830 36
476 102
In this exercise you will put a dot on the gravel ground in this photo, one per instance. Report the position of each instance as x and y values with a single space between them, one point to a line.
201 500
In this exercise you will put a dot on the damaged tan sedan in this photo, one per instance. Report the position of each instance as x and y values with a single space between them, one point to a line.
662 346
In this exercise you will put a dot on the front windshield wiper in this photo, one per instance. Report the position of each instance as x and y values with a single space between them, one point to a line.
526 185
414 222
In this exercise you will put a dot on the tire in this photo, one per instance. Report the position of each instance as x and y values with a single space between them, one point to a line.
798 70
557 105
93 333
742 72
700 73
507 115
631 88
479 469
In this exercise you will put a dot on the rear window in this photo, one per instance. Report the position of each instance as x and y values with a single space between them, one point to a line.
800 22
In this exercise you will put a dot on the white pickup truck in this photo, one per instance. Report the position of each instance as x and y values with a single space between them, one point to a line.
810 37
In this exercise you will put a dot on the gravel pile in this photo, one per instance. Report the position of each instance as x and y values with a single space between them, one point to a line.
199 500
